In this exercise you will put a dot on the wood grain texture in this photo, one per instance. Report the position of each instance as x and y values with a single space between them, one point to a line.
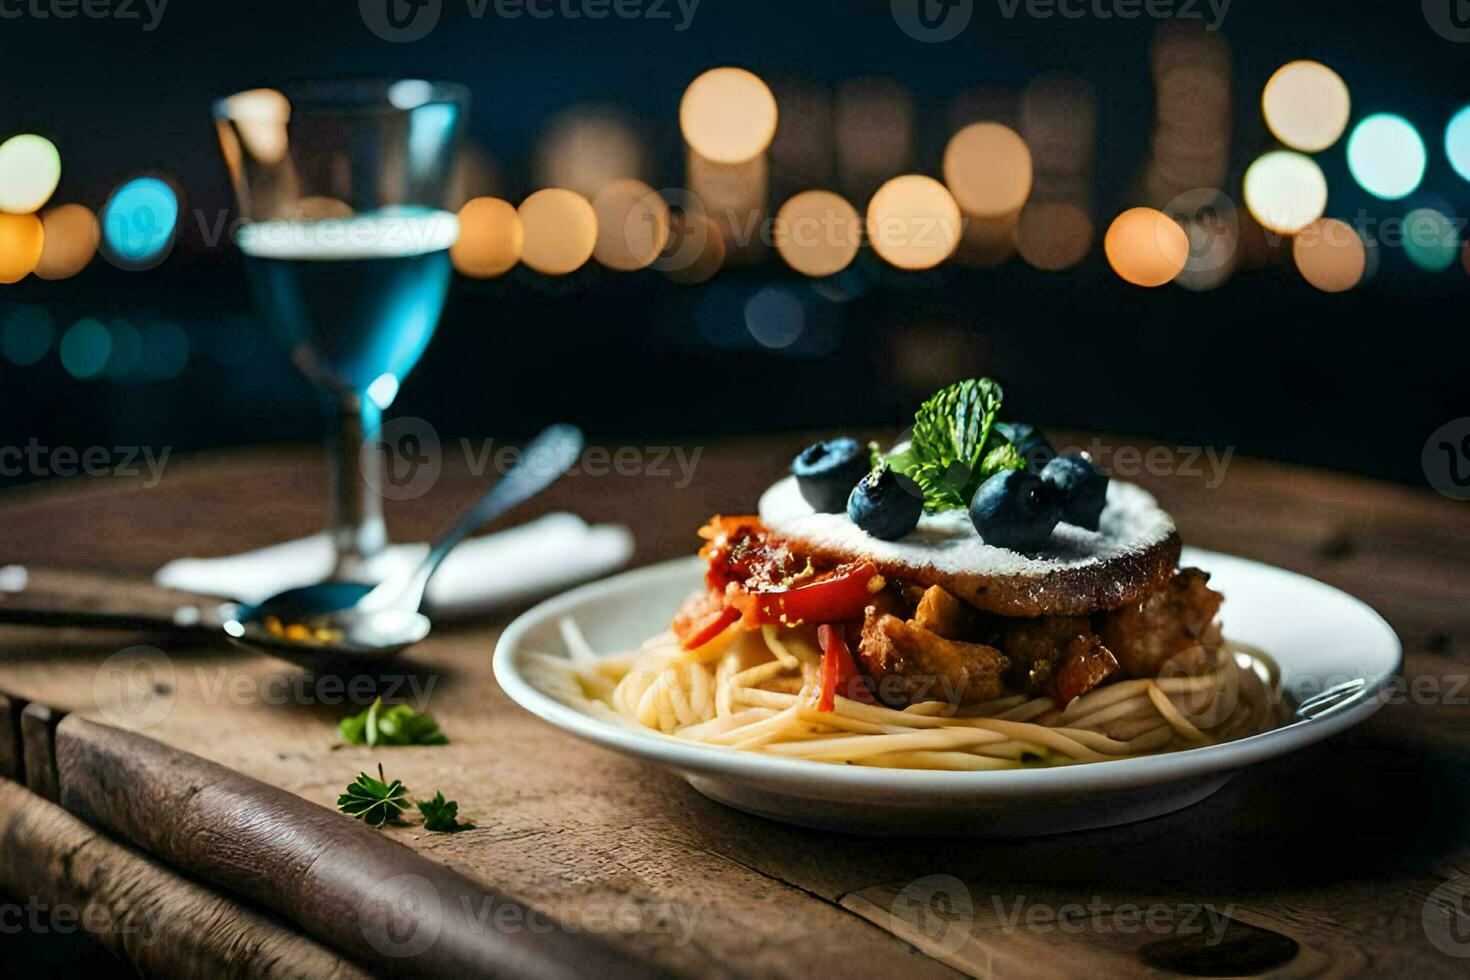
1339 848
159 923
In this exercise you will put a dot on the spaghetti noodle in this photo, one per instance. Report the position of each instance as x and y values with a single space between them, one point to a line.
756 691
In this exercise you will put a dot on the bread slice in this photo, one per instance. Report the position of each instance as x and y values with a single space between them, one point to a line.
1134 550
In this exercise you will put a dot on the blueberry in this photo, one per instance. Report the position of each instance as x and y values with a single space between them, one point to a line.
827 471
1015 509
1082 487
1030 442
885 505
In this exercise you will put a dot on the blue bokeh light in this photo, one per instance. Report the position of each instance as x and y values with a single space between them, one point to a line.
26 333
138 223
1457 142
85 347
1386 156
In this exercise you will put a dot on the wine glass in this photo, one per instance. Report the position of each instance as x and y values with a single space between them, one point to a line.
340 187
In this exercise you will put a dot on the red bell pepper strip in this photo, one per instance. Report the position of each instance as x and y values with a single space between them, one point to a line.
839 596
839 673
711 626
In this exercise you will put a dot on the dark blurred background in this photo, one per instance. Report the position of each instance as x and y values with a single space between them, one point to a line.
1254 357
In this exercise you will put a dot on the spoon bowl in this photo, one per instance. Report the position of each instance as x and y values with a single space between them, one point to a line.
365 621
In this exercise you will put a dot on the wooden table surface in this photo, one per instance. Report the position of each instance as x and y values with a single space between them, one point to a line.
1350 858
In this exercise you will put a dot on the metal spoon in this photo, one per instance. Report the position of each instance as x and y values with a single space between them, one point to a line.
362 621
316 625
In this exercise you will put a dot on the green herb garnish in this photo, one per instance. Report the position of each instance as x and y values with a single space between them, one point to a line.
377 802
396 724
374 801
442 815
955 446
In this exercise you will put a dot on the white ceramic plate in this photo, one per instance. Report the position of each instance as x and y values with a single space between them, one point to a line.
1324 640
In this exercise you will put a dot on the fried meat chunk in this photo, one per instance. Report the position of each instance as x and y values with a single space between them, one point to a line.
910 663
1176 617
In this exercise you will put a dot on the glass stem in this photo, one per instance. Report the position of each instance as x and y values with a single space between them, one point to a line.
356 462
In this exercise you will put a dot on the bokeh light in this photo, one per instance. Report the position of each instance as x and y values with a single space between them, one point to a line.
586 148
30 168
874 119
490 238
632 225
1306 105
22 239
1457 142
26 333
1053 235
774 317
126 349
85 347
1386 156
1285 191
259 116
818 233
559 231
734 197
695 250
1430 239
71 233
138 223
1146 247
988 169
913 222
728 115
1330 255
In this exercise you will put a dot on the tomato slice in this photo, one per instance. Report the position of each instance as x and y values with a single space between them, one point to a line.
839 672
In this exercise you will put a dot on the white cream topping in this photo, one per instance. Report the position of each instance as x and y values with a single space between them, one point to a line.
948 542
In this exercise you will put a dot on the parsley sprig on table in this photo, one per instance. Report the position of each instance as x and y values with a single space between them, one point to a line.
442 815
374 801
396 724
955 446
377 802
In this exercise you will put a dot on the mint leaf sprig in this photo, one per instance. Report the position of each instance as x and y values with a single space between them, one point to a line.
377 802
955 446
396 724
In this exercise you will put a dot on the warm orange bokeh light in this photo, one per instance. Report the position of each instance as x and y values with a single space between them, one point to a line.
988 169
1330 255
913 222
632 225
585 149
1053 235
490 238
818 233
728 115
22 239
559 231
71 235
1146 247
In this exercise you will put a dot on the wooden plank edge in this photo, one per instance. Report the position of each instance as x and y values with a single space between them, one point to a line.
71 877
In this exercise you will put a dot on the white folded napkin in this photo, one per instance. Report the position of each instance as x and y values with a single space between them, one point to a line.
498 569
